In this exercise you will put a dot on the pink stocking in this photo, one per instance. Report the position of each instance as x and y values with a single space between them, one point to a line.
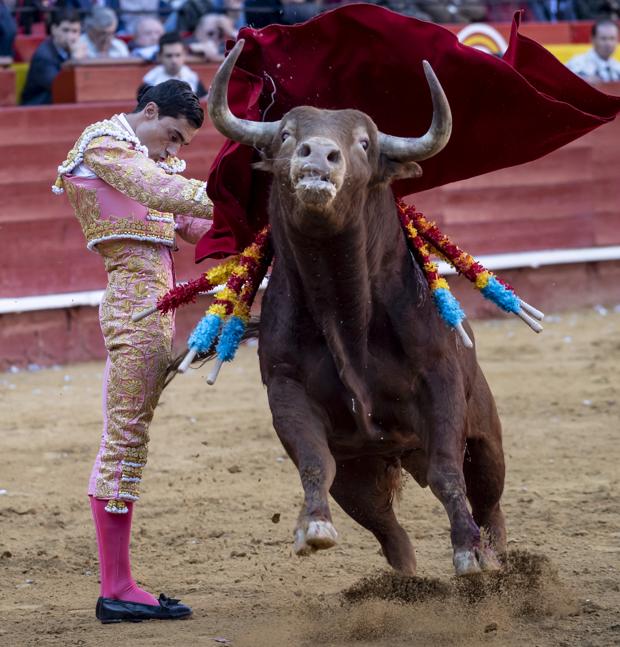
113 535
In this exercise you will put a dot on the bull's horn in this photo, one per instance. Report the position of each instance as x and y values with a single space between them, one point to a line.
252 133
415 149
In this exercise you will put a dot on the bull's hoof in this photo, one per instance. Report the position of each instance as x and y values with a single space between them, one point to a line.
321 535
470 562
465 563
318 535
488 560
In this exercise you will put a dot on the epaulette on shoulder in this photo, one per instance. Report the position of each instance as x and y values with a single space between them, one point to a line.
75 157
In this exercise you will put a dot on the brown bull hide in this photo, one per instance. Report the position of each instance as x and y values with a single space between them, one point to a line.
363 377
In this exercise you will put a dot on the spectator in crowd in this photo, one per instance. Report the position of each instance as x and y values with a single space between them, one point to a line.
552 10
145 43
235 10
209 39
172 66
62 45
598 64
260 13
440 11
454 10
8 28
83 6
295 11
188 15
132 10
99 38
407 8
232 9
595 9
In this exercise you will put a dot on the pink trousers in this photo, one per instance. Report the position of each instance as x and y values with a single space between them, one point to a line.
139 354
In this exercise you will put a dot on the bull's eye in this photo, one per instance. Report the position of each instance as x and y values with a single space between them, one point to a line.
285 135
364 143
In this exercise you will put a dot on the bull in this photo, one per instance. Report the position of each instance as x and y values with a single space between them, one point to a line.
363 378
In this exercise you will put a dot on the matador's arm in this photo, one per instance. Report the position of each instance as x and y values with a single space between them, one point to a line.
138 177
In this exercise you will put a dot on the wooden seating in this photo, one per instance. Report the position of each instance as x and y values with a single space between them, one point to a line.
101 80
567 199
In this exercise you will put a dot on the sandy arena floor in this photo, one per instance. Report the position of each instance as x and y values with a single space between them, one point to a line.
206 528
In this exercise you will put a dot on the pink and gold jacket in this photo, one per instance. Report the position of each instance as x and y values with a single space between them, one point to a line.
131 197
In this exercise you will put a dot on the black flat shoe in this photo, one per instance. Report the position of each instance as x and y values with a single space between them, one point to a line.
109 610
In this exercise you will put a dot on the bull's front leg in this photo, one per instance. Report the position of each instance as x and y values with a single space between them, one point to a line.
301 426
445 407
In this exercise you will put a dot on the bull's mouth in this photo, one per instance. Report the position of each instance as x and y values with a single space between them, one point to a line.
316 188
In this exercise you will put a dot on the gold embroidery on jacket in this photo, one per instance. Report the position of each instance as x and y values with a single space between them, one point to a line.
124 166
140 179
87 210
139 355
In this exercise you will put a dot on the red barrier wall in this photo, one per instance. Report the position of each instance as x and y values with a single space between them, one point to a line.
568 199
44 251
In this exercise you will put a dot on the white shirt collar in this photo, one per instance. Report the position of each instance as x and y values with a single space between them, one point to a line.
125 123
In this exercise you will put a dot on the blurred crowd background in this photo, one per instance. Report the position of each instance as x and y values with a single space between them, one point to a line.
230 15
173 33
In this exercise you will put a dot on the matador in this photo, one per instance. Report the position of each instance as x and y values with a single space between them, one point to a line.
121 178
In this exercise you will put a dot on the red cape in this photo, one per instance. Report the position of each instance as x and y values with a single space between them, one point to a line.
505 111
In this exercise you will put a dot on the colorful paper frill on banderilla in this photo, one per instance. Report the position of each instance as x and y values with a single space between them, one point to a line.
225 321
425 238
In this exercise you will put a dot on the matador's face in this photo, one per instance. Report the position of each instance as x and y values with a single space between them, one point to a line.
163 136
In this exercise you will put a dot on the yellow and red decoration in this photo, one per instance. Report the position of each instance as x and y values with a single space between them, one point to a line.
424 236
225 321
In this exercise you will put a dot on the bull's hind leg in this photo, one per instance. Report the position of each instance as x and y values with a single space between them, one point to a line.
364 489
301 429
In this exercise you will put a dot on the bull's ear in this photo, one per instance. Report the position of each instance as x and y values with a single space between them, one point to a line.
391 170
264 164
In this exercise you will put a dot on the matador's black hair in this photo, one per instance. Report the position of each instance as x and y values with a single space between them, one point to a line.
174 99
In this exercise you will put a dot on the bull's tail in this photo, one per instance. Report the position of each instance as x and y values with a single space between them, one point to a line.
251 332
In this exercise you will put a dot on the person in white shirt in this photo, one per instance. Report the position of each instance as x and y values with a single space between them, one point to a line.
99 39
172 53
598 64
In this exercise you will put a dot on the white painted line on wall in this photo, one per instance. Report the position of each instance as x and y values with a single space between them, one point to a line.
493 262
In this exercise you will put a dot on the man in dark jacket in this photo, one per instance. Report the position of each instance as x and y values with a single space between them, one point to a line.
65 30
553 10
8 29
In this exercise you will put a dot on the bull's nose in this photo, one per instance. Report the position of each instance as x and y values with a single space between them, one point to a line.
320 153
